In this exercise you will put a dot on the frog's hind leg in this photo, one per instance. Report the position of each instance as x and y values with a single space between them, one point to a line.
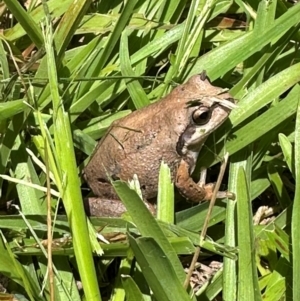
96 206
101 207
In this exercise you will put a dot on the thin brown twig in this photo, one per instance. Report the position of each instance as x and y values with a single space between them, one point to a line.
205 225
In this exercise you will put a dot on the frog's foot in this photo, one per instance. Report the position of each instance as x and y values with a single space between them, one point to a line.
209 189
196 192
96 206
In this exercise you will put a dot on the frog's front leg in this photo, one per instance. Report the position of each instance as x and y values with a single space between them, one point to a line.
195 192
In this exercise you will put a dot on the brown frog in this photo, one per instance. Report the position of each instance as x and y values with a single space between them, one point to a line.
172 130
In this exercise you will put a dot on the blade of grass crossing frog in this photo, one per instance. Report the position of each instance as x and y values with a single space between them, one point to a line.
248 288
146 223
275 118
296 212
165 197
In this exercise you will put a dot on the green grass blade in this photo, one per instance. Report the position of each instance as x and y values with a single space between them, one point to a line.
68 25
296 212
165 195
230 281
222 59
278 185
32 200
8 141
287 150
11 108
265 122
12 268
182 45
132 290
29 25
136 91
157 269
70 190
248 288
146 223
100 61
265 93
56 8
3 62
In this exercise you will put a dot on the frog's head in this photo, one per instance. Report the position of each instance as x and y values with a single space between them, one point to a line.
209 107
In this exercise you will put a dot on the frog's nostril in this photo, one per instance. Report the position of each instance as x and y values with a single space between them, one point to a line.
101 180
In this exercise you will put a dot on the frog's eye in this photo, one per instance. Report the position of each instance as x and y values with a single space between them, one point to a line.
201 116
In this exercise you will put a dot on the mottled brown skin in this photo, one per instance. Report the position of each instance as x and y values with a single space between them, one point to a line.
164 130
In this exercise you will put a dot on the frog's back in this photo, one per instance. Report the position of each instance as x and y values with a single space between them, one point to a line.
136 144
